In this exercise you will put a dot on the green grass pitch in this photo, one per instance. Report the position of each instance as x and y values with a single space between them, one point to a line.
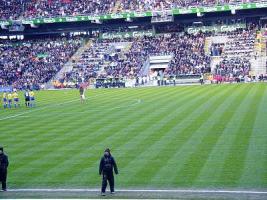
169 137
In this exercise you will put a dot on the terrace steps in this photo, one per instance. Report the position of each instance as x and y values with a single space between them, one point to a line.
258 63
208 42
69 65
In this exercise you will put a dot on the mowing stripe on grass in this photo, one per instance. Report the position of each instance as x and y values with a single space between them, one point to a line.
51 144
213 170
235 161
171 128
177 143
47 130
192 138
144 141
150 155
76 154
210 169
211 129
122 132
255 170
187 133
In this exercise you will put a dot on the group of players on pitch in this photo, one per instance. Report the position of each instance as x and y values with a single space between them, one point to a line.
10 99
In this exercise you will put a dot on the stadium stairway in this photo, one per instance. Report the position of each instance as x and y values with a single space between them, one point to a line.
215 60
110 50
258 63
123 47
68 66
146 68
258 66
208 42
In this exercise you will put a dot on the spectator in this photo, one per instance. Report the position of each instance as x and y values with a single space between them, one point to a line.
15 9
34 62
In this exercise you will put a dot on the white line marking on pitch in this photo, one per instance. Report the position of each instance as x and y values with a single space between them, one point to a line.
137 101
142 190
34 110
42 108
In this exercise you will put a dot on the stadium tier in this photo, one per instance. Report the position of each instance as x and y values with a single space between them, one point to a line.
34 62
19 9
127 58
133 51
200 135
167 56
229 56
236 53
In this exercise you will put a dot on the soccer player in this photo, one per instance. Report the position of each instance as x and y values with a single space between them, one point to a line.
16 99
81 90
5 100
32 99
9 99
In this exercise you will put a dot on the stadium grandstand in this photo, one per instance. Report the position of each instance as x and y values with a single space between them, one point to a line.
16 9
130 42
145 48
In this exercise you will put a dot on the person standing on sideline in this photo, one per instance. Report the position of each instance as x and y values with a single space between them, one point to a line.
27 98
3 168
81 90
107 164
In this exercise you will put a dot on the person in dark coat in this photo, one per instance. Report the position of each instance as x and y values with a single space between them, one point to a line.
27 98
3 168
106 166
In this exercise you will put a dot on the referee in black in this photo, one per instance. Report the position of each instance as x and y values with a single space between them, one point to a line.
3 168
27 98
106 166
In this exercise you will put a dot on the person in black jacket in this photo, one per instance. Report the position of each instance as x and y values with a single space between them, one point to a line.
107 164
3 168
27 98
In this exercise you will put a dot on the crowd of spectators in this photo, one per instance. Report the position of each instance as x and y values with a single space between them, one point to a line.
187 51
11 9
32 63
144 5
241 43
233 67
49 8
216 49
103 60
237 52
89 63
189 56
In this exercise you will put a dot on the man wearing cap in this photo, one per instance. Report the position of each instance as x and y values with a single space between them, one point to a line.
3 168
107 164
